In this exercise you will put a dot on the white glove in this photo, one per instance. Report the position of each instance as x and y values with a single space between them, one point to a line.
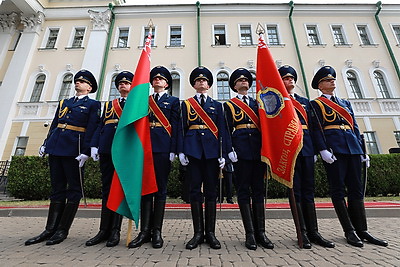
183 159
171 156
365 158
82 158
42 152
233 156
221 162
315 158
94 153
327 156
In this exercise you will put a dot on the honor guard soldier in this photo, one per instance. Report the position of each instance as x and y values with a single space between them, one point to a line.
337 138
202 127
110 221
68 146
303 180
244 126
164 118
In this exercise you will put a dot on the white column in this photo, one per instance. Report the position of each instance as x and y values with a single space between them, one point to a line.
16 74
8 24
93 59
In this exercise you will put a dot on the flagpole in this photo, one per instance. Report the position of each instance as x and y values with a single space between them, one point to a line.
295 214
129 233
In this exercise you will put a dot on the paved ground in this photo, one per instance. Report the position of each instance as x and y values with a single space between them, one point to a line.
177 230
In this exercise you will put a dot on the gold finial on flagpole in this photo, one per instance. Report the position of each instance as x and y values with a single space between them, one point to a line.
150 25
260 29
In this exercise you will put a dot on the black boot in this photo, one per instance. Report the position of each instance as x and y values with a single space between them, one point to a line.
245 211
198 225
310 218
259 225
343 215
105 222
359 219
56 209
210 219
114 238
65 224
159 208
306 244
146 211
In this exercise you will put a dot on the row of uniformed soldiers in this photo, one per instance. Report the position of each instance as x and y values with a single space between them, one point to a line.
204 134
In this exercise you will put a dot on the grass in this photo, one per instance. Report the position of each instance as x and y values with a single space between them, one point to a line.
32 203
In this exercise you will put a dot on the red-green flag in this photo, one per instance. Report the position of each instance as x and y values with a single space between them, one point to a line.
281 130
131 151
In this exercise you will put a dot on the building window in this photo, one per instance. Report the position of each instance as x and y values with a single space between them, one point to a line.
364 35
78 38
338 36
175 36
38 88
252 90
245 35
176 84
51 41
381 83
354 84
273 37
114 93
65 87
22 142
396 30
219 35
153 36
313 37
123 38
223 88
370 143
397 136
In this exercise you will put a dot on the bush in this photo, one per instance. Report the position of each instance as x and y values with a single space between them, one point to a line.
29 178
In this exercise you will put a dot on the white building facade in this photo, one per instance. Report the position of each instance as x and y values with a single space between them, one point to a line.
44 43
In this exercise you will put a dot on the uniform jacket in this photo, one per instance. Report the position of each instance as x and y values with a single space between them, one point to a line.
161 142
340 141
246 142
84 113
195 143
308 146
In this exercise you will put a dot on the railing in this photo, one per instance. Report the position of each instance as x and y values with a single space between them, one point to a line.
4 165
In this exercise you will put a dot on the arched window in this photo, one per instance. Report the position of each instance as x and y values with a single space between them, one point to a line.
380 81
114 93
223 88
38 88
354 84
65 87
176 84
252 90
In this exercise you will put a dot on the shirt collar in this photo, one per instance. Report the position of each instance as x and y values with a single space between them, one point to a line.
198 96
160 94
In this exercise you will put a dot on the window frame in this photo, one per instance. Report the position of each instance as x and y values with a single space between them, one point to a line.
145 29
34 89
73 35
18 146
377 87
252 44
181 45
62 86
317 34
396 35
227 44
397 137
118 36
225 85
111 96
278 36
47 37
369 144
367 33
355 95
343 33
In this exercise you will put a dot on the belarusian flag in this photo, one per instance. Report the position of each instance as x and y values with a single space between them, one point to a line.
281 130
131 151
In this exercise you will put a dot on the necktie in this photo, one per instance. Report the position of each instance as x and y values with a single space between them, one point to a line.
333 99
75 99
156 97
202 101
122 102
245 99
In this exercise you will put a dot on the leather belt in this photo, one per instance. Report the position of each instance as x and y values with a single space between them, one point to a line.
155 124
198 127
340 127
71 127
247 126
111 121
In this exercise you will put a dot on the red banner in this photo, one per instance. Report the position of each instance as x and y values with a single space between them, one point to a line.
281 129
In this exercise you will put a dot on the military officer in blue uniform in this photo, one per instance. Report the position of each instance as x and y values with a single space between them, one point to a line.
337 138
68 147
110 221
243 124
303 180
202 126
164 118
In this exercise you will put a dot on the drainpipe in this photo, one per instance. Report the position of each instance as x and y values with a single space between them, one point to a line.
106 52
303 74
396 66
198 34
